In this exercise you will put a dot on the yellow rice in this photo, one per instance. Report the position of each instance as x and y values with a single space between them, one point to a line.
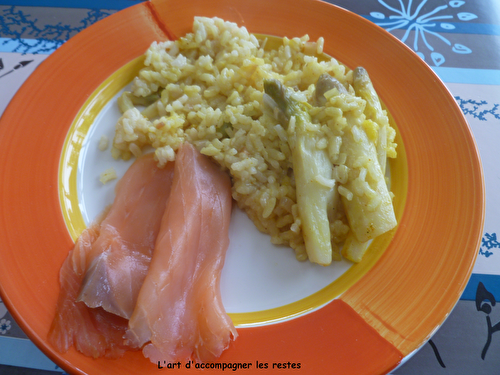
206 88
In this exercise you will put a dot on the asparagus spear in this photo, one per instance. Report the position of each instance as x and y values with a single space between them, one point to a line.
352 249
312 169
373 111
127 101
369 210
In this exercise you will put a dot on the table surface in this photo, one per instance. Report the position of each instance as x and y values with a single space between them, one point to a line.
461 42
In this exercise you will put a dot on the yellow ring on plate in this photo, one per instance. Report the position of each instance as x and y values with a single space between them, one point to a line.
68 195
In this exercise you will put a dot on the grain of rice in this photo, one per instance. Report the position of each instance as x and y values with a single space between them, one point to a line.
329 183
345 192
108 175
103 143
135 150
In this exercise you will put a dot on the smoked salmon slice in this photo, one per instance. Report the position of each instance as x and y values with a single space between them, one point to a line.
179 313
119 259
108 264
93 332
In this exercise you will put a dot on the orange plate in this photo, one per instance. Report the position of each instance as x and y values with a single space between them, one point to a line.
390 312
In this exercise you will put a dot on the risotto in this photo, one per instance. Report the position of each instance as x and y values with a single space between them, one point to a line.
208 88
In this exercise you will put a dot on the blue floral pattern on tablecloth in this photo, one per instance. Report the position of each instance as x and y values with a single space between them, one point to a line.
410 17
5 325
444 33
27 35
479 109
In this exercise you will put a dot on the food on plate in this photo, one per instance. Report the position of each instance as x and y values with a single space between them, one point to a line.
148 270
93 332
179 312
312 169
207 89
117 262
108 175
355 246
369 212
109 262
363 87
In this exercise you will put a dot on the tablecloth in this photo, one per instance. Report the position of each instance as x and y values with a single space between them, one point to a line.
460 40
